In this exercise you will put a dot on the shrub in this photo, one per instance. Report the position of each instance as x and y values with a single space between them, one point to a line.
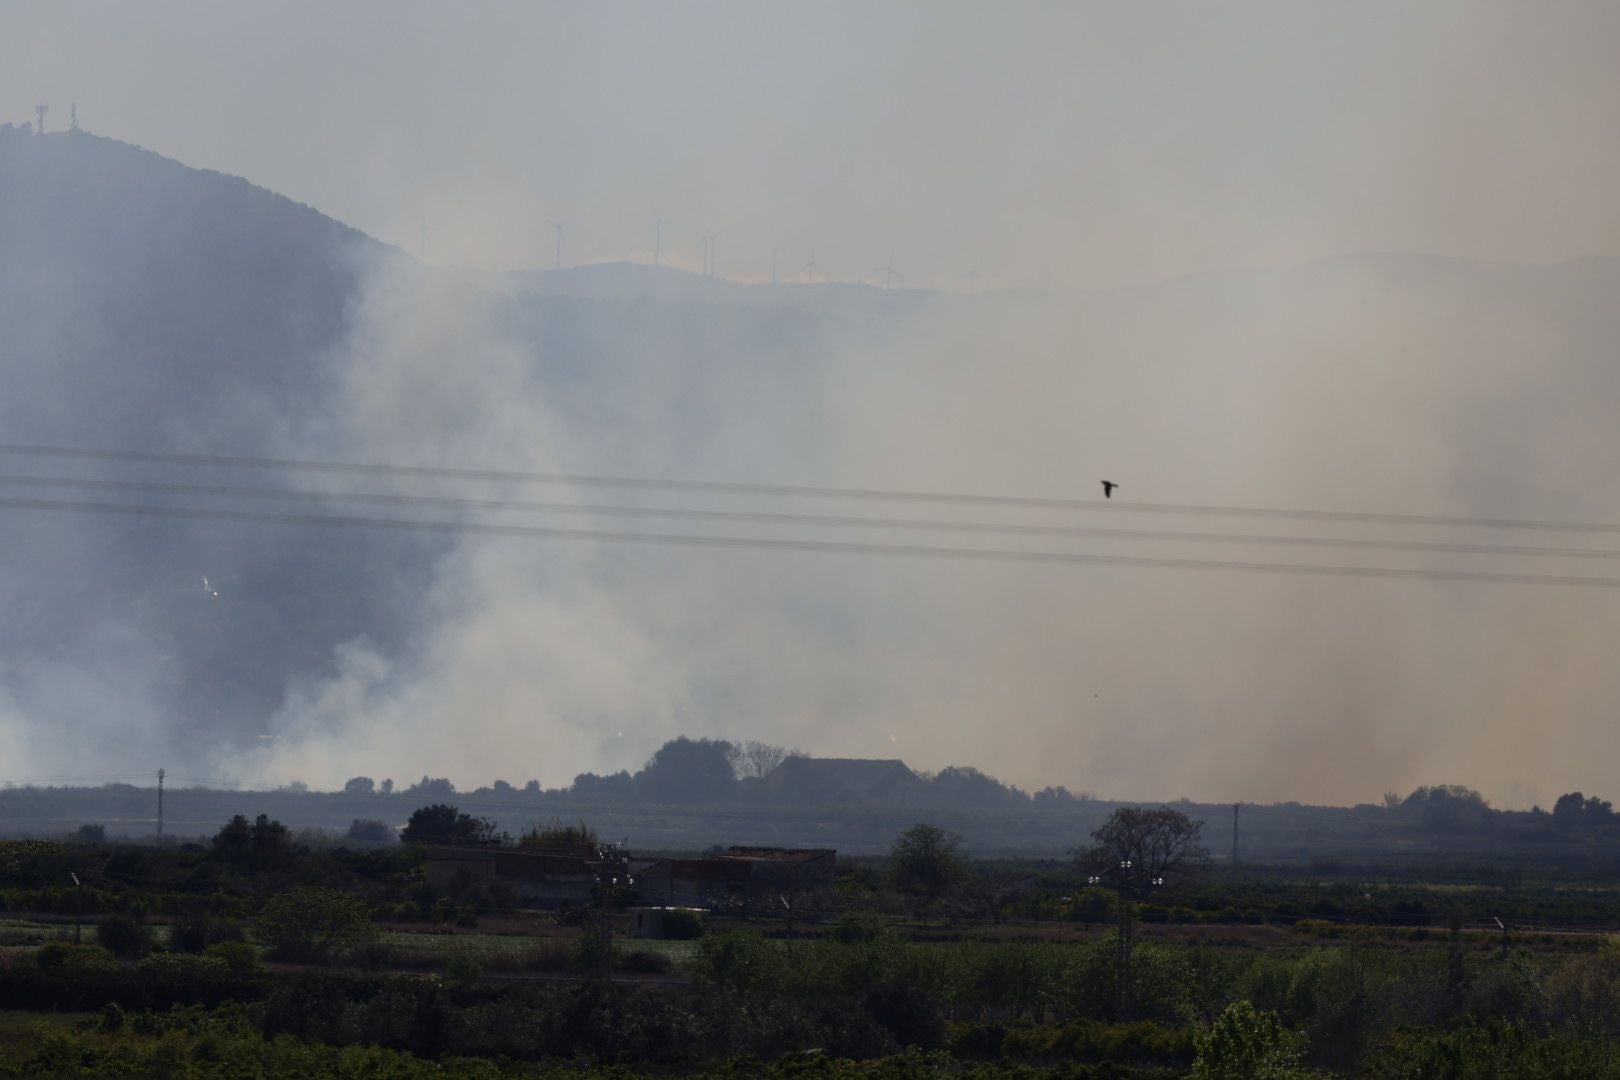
1246 1044
682 925
593 952
239 957
76 959
857 927
123 936
906 1011
463 972
366 831
646 962
313 923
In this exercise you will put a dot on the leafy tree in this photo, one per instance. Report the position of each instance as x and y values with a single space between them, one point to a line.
963 785
253 848
926 862
442 823
360 785
122 936
754 760
620 785
1575 811
89 834
1246 1044
436 788
688 771
1135 852
1449 808
312 923
386 787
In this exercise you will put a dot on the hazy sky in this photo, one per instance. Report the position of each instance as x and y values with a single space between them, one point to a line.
1050 144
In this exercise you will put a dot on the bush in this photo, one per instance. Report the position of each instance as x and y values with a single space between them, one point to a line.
857 927
1246 1044
593 952
646 962
906 1011
313 923
195 928
239 957
366 831
682 925
74 959
123 937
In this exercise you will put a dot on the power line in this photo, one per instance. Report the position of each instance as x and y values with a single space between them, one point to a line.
792 490
826 546
783 518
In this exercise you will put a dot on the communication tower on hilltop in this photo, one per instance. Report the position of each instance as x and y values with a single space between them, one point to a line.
73 117
39 112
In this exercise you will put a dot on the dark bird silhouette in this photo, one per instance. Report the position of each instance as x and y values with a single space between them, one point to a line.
1108 489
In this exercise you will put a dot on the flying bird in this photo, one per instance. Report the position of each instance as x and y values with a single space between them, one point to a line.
1108 489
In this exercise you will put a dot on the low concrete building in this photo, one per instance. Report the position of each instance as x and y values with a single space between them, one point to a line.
742 877
541 878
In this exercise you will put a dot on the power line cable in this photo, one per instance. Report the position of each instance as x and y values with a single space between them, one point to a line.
782 518
792 490
827 546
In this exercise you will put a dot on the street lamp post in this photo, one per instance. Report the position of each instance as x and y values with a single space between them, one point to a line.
78 905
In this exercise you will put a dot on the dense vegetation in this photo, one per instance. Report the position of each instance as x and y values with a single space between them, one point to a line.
260 953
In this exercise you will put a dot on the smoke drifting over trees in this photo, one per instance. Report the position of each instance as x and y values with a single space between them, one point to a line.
150 306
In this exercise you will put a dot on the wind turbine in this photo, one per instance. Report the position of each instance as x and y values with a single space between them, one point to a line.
710 244
889 273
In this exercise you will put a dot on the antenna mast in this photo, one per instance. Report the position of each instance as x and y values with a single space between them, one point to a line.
160 806
73 117
558 226
39 112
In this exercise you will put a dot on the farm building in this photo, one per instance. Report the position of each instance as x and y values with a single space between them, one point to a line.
542 878
741 877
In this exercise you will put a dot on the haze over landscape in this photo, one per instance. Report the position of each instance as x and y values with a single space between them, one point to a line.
1355 260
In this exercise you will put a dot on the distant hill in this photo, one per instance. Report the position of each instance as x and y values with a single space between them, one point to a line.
145 304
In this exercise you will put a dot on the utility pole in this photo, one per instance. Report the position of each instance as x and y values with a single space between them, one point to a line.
160 806
78 905
39 112
558 226
1234 836
773 265
73 117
